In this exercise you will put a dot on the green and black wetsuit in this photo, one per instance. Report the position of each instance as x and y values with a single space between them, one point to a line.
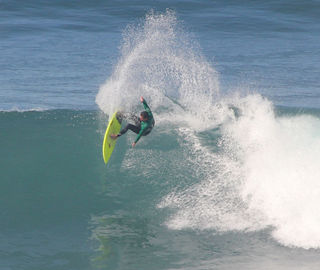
142 128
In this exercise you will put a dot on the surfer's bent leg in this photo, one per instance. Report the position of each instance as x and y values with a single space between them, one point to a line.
136 120
133 128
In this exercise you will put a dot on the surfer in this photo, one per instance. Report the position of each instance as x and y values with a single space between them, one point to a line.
143 124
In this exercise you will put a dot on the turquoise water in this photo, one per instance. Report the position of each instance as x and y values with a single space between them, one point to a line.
228 178
62 208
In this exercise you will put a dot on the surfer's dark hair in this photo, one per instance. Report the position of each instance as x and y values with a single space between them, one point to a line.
144 114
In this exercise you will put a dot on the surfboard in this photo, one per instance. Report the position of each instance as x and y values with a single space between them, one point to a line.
114 127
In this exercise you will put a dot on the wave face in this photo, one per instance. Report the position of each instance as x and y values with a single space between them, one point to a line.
245 185
250 167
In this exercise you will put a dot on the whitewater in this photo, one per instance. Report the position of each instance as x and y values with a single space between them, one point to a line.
254 169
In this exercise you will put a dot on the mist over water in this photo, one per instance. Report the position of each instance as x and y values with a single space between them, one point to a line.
161 63
254 169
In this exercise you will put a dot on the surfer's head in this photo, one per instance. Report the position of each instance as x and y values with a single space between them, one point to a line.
144 116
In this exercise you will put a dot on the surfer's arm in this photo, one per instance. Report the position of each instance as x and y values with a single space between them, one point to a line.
146 107
140 133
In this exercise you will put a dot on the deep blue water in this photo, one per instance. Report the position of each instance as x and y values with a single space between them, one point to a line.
228 178
56 54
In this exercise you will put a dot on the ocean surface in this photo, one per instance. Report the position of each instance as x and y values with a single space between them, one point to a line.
228 179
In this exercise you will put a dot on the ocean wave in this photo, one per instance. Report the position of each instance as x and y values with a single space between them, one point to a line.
16 109
261 169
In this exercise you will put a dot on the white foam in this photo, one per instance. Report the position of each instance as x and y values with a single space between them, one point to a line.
17 109
280 165
265 174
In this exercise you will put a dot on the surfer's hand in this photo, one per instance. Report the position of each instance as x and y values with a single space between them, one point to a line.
133 144
141 99
114 136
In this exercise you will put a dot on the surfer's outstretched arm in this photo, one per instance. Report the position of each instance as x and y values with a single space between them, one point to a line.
142 130
146 107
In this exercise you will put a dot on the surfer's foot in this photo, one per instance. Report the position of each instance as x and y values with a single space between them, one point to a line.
114 136
120 116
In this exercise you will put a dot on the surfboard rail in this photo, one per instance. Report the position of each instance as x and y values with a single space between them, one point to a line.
108 145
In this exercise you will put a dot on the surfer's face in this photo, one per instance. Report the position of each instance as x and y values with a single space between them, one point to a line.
142 118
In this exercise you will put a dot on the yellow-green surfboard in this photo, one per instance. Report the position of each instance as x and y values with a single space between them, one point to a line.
114 127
